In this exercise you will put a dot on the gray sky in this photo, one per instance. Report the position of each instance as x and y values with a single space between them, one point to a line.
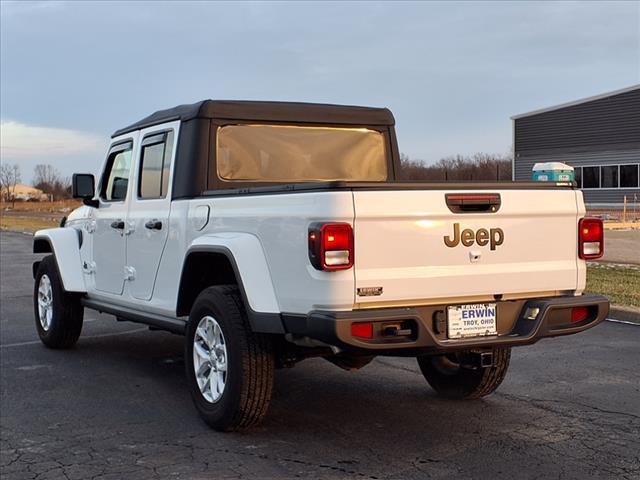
453 73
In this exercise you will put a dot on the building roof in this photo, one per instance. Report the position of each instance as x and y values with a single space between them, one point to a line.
267 111
22 189
577 102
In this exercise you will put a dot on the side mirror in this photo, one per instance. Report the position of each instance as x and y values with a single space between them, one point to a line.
83 186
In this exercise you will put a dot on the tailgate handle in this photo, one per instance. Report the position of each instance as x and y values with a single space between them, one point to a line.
473 202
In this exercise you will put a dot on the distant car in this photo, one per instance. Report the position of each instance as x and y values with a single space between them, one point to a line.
268 233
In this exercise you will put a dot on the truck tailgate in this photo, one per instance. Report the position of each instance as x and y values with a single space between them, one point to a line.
528 246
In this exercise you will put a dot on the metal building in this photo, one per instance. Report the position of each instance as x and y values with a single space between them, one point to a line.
598 136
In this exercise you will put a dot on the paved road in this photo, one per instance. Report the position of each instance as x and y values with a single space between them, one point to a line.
117 407
622 246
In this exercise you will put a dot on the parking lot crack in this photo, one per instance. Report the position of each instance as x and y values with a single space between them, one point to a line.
565 402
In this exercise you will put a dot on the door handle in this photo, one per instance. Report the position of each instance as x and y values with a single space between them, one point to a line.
153 225
118 225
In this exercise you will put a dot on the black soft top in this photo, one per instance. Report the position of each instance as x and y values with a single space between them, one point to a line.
295 112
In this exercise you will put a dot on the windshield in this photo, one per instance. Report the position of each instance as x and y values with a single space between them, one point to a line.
277 153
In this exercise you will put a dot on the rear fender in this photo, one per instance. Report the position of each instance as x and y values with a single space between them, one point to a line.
64 244
247 258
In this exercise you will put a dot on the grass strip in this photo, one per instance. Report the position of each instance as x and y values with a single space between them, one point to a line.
620 283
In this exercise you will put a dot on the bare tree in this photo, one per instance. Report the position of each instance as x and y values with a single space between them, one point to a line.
47 178
9 178
458 168
45 175
5 175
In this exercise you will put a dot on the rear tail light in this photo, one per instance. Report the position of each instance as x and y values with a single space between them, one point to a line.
331 246
590 238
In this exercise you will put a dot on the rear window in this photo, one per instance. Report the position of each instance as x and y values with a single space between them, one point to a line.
155 162
279 153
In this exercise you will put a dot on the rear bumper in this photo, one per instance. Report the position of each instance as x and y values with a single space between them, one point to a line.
427 325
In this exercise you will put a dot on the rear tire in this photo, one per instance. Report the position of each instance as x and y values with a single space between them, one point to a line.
229 367
449 378
58 314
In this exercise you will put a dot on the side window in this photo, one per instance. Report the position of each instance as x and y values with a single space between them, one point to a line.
609 177
590 177
155 161
629 176
115 180
578 176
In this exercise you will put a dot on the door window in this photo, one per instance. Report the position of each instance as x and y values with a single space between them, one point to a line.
115 180
155 161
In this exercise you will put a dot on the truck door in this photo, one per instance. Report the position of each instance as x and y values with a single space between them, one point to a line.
110 232
149 208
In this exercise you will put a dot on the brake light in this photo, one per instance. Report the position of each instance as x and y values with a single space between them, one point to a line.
331 246
590 238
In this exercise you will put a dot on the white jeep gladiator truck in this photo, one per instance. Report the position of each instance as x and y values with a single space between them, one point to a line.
267 233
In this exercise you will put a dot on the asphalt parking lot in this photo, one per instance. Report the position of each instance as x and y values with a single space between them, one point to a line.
117 407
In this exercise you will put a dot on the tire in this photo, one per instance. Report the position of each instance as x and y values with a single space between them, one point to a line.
450 379
58 314
244 361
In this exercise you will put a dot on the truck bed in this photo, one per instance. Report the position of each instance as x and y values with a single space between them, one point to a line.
326 186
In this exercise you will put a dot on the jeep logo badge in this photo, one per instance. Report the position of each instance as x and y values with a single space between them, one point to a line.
494 237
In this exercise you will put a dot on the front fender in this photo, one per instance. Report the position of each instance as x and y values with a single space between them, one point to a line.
64 243
248 259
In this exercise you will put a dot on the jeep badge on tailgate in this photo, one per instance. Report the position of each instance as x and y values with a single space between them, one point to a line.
493 236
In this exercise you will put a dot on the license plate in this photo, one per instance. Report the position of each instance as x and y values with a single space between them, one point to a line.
475 320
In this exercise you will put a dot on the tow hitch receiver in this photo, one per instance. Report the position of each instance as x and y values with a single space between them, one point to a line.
486 359
478 359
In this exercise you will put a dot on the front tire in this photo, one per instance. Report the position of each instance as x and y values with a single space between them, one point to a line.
450 377
58 314
229 367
